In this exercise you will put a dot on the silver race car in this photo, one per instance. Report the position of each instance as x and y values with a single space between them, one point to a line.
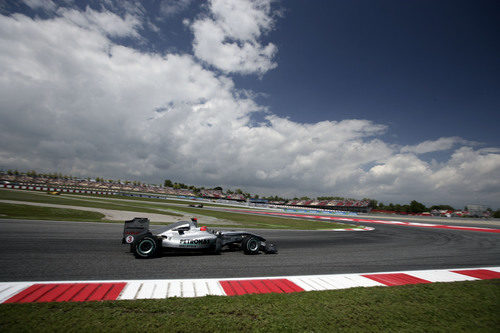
186 235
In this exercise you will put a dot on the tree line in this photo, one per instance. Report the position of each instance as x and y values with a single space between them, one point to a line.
413 207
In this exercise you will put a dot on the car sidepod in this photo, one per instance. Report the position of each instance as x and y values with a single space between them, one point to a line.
189 240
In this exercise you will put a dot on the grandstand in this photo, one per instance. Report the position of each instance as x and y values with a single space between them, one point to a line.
236 197
133 187
212 194
344 205
218 194
25 180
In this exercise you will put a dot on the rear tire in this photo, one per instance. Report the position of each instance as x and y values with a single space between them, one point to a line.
146 247
218 246
251 245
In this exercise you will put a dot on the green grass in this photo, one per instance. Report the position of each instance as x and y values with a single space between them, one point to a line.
42 197
28 212
265 222
240 219
248 220
169 201
471 306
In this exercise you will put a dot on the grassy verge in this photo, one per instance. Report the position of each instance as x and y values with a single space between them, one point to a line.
28 212
265 222
70 201
241 220
441 307
168 201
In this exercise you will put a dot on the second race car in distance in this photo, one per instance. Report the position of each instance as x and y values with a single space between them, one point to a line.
187 236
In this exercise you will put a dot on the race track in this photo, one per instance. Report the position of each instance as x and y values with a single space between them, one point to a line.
47 250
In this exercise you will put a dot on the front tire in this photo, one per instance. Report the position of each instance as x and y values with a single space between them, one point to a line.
250 245
146 247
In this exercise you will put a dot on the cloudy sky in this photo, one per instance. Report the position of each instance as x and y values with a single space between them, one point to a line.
392 100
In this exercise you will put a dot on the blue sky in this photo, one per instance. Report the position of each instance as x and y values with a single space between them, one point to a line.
392 100
425 68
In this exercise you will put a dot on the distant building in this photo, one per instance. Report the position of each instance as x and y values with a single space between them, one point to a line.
476 210
257 201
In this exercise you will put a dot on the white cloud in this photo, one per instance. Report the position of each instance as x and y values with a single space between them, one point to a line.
228 38
107 22
434 145
400 174
74 101
468 176
46 5
170 7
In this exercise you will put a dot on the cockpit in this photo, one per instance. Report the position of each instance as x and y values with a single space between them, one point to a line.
180 226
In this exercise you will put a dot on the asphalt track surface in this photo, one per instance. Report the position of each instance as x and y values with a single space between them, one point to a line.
60 251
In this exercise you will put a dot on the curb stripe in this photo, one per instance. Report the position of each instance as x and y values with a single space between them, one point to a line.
114 292
288 284
99 292
68 292
441 276
229 288
31 294
249 287
264 286
19 296
72 291
85 293
397 279
54 293
273 288
80 291
7 291
261 287
483 274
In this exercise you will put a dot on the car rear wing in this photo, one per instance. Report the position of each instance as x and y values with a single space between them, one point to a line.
134 228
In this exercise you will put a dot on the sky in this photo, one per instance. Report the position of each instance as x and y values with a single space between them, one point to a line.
390 100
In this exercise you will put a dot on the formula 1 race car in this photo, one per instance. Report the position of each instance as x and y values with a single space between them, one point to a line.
200 205
185 235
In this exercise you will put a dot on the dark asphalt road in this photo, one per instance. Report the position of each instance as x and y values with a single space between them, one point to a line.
45 250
